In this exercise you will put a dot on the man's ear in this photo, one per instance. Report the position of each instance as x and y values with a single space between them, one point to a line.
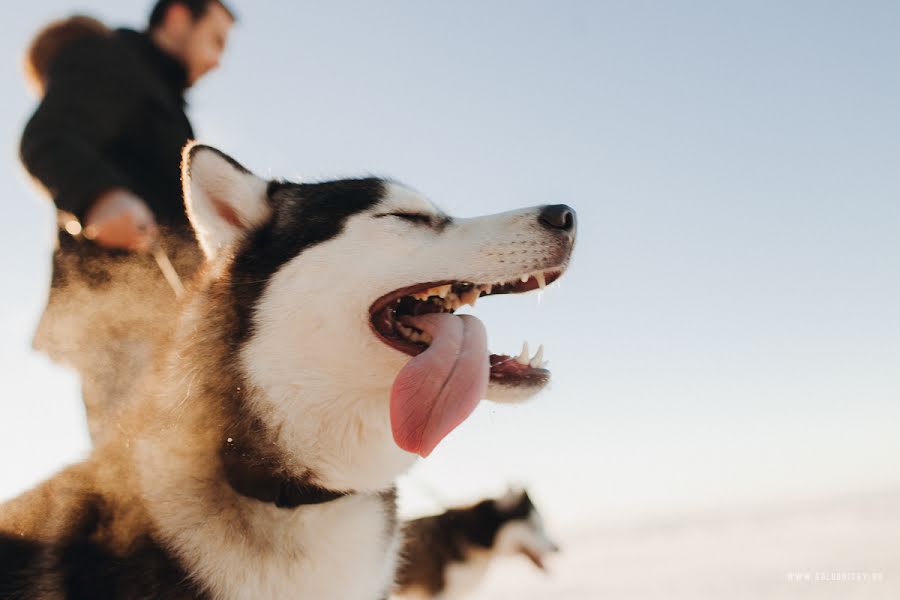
224 200
178 18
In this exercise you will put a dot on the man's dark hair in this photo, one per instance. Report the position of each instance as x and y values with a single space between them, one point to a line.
198 8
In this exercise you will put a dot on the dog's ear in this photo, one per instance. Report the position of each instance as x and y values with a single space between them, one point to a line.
512 499
223 199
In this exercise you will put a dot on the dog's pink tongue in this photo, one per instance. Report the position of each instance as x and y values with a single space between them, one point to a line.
440 387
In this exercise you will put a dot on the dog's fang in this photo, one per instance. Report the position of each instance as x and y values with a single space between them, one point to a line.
471 296
524 356
538 358
542 283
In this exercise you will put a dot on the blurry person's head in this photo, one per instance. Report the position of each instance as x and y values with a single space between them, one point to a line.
193 31
50 41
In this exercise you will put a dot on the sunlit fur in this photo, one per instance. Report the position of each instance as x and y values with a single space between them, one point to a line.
309 385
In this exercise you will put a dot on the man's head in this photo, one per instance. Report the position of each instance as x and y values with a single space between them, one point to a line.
194 31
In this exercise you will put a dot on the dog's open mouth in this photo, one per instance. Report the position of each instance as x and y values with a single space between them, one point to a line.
450 368
390 320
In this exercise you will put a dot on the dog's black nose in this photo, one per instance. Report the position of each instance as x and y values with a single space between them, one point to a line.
558 216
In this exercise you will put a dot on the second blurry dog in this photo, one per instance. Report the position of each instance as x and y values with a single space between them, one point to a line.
447 555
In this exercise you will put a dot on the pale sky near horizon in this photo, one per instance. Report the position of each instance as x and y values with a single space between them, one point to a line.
729 331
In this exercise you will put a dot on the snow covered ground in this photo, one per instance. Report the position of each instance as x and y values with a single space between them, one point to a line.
840 549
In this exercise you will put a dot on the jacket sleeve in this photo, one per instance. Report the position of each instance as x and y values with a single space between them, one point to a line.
90 97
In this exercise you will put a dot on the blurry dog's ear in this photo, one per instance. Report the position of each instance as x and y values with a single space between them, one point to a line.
224 200
511 499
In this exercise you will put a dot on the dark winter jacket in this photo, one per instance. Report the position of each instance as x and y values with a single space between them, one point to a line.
112 116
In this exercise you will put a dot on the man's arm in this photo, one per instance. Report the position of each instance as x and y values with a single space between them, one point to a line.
90 98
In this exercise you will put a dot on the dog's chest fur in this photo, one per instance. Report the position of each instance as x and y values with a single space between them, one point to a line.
243 547
341 549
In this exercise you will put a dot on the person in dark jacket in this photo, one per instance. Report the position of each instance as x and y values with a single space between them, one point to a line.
105 142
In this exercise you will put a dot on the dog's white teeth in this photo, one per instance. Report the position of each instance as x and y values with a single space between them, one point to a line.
538 358
525 278
412 335
440 291
542 283
487 289
471 297
419 336
448 300
523 357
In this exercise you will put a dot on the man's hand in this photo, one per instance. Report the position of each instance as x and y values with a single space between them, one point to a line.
119 219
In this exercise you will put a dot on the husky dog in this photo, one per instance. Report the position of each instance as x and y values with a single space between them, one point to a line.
447 555
317 356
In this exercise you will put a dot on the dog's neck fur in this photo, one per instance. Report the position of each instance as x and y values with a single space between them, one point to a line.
187 472
253 432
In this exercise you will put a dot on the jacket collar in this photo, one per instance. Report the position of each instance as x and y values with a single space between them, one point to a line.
172 72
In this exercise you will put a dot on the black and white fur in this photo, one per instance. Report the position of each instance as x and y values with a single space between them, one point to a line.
446 556
258 460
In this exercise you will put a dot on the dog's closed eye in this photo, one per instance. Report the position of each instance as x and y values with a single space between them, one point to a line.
427 220
417 218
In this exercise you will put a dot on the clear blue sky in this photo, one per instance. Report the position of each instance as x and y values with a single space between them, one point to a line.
730 328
